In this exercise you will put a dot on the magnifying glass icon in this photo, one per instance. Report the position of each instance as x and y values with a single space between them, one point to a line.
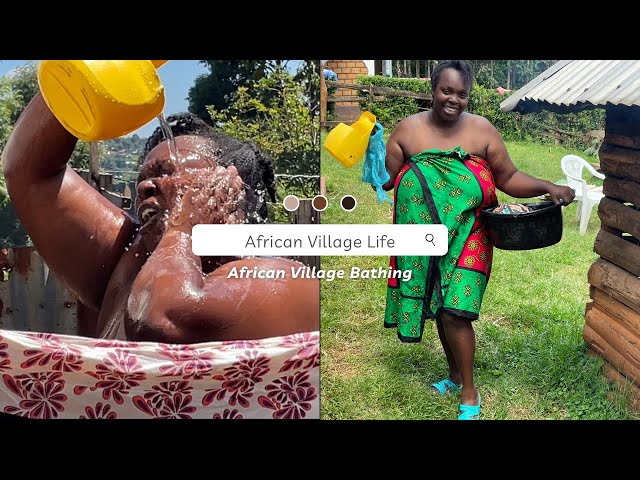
429 238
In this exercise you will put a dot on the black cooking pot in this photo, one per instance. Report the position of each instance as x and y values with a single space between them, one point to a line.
538 228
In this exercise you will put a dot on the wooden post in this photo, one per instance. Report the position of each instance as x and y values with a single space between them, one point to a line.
323 101
370 104
305 214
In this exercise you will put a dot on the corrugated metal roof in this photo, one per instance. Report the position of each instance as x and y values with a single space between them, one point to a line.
574 85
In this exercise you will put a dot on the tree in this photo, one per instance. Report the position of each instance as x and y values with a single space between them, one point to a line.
11 231
284 126
24 82
308 75
217 88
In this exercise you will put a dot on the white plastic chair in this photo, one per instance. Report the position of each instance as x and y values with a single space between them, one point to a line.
586 195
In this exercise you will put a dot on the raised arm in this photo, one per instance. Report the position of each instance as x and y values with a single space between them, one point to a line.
512 181
79 233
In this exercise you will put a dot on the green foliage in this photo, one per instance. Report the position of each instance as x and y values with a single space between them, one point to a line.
11 231
511 74
81 156
486 103
218 87
122 153
24 82
573 127
308 75
10 103
281 122
393 109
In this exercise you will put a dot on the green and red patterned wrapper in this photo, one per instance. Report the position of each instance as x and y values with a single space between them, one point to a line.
448 187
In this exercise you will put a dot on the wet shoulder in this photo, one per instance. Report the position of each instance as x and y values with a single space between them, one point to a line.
260 263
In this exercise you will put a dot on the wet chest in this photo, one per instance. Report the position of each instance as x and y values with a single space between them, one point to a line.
114 306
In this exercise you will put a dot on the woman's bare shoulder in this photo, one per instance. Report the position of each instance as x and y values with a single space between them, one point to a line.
412 120
478 121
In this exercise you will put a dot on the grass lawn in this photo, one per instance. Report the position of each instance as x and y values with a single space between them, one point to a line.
531 361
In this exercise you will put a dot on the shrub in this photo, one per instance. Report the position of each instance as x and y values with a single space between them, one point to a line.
573 127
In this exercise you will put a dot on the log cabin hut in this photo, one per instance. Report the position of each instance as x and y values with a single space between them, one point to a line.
612 317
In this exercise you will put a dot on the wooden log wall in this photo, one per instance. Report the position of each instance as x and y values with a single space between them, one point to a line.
612 318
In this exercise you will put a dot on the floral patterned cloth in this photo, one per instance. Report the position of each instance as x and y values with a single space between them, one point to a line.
62 376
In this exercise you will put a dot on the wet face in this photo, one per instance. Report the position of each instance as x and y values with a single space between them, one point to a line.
450 96
163 182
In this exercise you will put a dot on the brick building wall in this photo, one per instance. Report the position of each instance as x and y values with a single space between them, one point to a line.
347 71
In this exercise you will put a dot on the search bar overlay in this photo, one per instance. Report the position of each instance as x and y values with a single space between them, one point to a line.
324 239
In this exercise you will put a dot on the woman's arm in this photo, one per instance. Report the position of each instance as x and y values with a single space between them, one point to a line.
78 232
394 159
512 181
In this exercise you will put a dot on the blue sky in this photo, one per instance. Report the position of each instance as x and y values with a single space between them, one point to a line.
177 76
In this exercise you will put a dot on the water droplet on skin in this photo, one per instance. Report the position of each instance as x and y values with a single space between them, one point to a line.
137 255
126 249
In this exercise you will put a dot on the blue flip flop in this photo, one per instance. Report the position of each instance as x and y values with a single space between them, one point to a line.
470 412
446 386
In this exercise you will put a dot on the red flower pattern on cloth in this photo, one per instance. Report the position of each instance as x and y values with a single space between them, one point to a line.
273 378
239 380
41 394
117 375
290 396
116 343
187 362
167 400
240 345
5 363
65 358
308 355
99 411
228 414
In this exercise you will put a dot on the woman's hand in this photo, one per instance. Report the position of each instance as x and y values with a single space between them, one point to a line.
212 197
561 194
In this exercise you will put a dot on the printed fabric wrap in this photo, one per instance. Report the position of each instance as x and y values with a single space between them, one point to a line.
449 187
45 375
